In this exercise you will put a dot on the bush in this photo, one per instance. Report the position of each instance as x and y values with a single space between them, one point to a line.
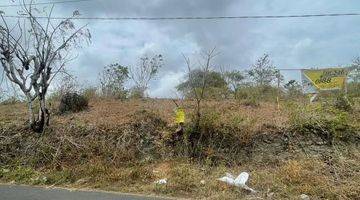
72 102
144 135
90 93
329 124
219 140
343 103
217 93
263 93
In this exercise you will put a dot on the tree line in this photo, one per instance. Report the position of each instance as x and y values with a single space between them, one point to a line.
34 51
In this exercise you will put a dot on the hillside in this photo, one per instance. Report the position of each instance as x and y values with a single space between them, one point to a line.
127 145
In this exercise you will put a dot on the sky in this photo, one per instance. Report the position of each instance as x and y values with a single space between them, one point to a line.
291 43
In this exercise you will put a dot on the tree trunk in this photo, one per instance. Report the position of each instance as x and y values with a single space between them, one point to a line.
43 117
30 110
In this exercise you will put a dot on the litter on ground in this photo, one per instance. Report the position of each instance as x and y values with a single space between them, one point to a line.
239 181
161 181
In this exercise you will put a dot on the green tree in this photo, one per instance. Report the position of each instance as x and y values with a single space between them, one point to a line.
112 81
355 70
354 78
263 72
234 79
215 83
293 88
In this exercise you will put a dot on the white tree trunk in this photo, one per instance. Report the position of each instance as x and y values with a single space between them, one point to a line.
31 110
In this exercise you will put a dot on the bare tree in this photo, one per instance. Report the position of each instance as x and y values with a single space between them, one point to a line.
68 84
33 51
143 73
199 92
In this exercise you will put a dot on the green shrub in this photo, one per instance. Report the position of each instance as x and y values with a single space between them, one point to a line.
342 103
72 102
256 93
219 140
19 174
324 121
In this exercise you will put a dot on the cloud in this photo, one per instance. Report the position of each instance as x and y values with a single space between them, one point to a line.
291 43
166 85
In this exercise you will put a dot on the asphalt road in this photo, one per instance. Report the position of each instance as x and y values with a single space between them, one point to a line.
11 192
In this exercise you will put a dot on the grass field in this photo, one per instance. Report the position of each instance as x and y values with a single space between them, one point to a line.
124 146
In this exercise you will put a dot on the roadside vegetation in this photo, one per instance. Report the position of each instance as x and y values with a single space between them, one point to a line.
115 137
126 144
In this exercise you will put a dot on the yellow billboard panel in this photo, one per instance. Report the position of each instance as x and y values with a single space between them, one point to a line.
327 79
180 116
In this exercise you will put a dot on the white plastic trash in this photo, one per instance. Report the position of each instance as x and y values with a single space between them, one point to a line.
239 181
161 181
304 197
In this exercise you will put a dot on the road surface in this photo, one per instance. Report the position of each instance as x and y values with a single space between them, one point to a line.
12 192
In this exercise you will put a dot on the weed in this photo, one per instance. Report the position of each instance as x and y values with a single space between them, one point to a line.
19 174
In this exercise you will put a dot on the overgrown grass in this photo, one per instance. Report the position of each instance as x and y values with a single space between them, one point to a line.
315 153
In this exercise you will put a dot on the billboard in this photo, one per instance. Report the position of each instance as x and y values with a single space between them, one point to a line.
314 80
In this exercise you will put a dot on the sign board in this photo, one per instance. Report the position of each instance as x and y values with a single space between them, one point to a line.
324 79
307 85
180 116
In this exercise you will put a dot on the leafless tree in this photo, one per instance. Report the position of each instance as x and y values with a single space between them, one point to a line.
205 66
143 73
199 92
68 84
33 50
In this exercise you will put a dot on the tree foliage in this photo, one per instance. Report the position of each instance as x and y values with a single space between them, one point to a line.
263 72
235 80
112 81
144 72
198 93
355 72
293 88
354 78
72 102
213 80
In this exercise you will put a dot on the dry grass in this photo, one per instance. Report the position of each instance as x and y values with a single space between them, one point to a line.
83 152
114 112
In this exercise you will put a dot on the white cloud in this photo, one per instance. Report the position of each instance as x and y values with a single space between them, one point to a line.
291 43
166 85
